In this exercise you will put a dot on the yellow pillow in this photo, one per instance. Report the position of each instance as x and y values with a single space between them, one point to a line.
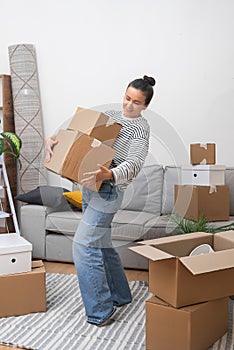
74 198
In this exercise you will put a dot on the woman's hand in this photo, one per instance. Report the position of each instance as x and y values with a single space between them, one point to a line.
92 177
49 148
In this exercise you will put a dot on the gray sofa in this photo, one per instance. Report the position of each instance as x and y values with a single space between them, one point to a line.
144 214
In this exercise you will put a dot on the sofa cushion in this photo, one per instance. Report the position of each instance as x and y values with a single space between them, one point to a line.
51 196
229 181
65 222
130 259
171 177
129 224
59 247
145 191
75 198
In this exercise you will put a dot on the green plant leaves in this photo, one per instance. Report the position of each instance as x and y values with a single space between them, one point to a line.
11 144
14 140
202 225
1 146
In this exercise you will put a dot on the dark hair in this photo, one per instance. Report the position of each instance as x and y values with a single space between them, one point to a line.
145 85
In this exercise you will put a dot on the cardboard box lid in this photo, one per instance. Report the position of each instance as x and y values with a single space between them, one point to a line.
197 265
219 260
226 234
204 263
13 243
151 252
204 167
37 263
224 240
176 238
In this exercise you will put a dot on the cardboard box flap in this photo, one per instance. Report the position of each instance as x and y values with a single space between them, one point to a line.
224 240
37 263
176 238
204 263
151 253
225 234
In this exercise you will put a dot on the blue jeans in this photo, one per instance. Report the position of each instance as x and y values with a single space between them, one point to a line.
102 280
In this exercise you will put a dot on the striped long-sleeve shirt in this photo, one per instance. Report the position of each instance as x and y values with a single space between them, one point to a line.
131 147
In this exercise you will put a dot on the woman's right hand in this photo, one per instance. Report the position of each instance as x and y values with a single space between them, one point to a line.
49 148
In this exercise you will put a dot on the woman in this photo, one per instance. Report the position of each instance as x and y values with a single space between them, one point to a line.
102 280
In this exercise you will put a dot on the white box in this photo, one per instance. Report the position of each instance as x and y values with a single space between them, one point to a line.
15 254
203 175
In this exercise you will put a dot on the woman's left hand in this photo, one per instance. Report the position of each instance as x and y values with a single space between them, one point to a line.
102 173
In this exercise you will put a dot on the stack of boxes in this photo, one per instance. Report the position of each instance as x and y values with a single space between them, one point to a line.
22 283
202 192
189 309
86 142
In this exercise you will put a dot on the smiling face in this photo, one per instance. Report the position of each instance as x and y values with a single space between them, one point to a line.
133 102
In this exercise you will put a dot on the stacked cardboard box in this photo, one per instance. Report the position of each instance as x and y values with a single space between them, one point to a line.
86 142
189 309
202 192
22 283
203 153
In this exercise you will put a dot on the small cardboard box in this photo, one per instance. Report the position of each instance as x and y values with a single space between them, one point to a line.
183 280
24 293
194 327
15 254
77 153
203 153
203 175
194 202
95 124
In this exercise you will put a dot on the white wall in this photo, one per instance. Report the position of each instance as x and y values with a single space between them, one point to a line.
88 51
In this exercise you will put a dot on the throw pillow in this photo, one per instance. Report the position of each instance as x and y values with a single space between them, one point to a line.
51 196
74 198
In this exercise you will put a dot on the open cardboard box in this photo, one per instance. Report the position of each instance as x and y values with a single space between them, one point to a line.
194 327
193 202
77 153
23 293
95 124
182 280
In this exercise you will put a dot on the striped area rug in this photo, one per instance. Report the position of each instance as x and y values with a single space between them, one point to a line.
64 326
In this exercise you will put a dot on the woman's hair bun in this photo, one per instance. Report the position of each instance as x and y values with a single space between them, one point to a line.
150 80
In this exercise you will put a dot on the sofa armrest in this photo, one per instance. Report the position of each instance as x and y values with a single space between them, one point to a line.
32 225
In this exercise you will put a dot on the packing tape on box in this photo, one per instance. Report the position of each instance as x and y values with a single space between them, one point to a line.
110 121
203 145
203 161
212 189
96 143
